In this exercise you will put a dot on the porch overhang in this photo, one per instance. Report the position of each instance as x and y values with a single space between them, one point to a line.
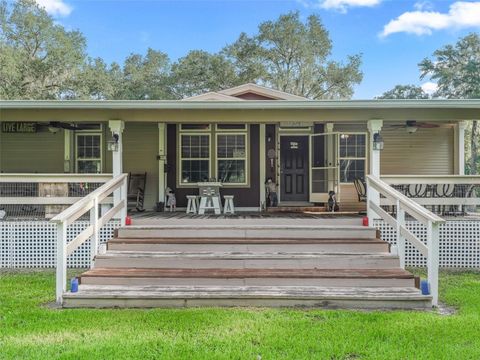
241 111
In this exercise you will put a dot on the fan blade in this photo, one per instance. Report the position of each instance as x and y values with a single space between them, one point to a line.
425 125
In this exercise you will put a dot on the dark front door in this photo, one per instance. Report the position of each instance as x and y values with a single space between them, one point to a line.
294 168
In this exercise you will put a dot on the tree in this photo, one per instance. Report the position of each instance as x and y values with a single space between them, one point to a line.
38 59
145 77
456 69
200 72
405 92
292 56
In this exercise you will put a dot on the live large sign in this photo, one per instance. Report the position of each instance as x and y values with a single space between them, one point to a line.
19 127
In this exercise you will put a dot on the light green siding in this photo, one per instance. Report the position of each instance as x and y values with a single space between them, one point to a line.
140 150
40 152
425 152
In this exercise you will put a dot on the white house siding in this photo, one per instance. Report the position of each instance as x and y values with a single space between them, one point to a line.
140 150
40 152
425 152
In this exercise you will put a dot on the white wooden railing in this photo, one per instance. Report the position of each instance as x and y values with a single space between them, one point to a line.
437 190
89 203
404 205
12 198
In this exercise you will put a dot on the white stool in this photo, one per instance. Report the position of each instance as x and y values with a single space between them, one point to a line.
229 208
192 204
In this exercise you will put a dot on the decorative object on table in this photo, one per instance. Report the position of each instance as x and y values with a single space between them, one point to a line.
209 197
171 199
332 202
271 191
228 208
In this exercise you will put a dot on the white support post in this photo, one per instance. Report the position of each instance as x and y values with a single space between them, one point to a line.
67 151
123 197
116 127
61 278
460 148
263 165
162 159
433 259
94 237
400 238
374 127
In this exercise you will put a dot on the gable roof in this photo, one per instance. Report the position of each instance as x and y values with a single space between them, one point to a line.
261 90
212 96
235 94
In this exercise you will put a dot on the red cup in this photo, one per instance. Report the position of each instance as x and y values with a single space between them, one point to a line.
365 221
128 220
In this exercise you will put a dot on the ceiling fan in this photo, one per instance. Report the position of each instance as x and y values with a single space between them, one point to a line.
54 126
412 126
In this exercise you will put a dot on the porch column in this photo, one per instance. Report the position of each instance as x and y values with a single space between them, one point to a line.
374 127
460 147
116 127
162 159
263 165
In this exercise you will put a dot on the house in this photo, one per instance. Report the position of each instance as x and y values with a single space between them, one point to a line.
241 137
60 156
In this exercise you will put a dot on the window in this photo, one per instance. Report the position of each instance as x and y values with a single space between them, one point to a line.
352 157
232 158
89 153
195 158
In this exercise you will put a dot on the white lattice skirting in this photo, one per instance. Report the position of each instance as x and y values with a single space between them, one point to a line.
32 244
459 242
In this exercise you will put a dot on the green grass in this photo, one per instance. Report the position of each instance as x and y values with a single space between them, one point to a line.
31 330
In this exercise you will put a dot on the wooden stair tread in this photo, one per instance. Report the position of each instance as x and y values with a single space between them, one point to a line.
239 255
253 292
395 273
243 241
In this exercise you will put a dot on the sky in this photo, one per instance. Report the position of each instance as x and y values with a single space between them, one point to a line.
393 35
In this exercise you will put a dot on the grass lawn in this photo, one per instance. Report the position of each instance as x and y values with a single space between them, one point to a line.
30 330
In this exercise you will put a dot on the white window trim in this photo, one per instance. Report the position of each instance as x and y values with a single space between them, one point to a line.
364 158
84 133
220 130
203 131
180 183
246 157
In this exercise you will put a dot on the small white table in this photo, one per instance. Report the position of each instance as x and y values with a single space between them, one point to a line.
209 197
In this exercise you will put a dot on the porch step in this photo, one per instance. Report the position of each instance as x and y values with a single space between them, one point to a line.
250 277
98 296
250 244
237 231
241 260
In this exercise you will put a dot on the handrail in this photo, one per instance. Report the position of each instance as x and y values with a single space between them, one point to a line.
90 203
375 186
53 178
431 179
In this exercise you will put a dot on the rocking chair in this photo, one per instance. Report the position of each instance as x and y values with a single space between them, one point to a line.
136 191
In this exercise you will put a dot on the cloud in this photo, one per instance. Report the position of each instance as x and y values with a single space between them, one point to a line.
55 7
430 87
424 22
343 5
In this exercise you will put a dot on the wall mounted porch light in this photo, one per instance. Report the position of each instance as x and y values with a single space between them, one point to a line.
377 141
112 145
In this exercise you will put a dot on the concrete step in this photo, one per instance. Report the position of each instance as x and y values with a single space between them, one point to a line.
237 231
248 245
246 260
250 277
101 296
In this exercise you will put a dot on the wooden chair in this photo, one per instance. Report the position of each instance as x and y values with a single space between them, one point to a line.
136 191
361 188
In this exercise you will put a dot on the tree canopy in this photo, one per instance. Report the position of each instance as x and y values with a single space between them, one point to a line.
39 59
405 92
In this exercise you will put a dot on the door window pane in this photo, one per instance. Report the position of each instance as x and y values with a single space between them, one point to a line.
352 157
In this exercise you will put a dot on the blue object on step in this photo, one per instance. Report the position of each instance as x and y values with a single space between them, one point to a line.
74 285
425 287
